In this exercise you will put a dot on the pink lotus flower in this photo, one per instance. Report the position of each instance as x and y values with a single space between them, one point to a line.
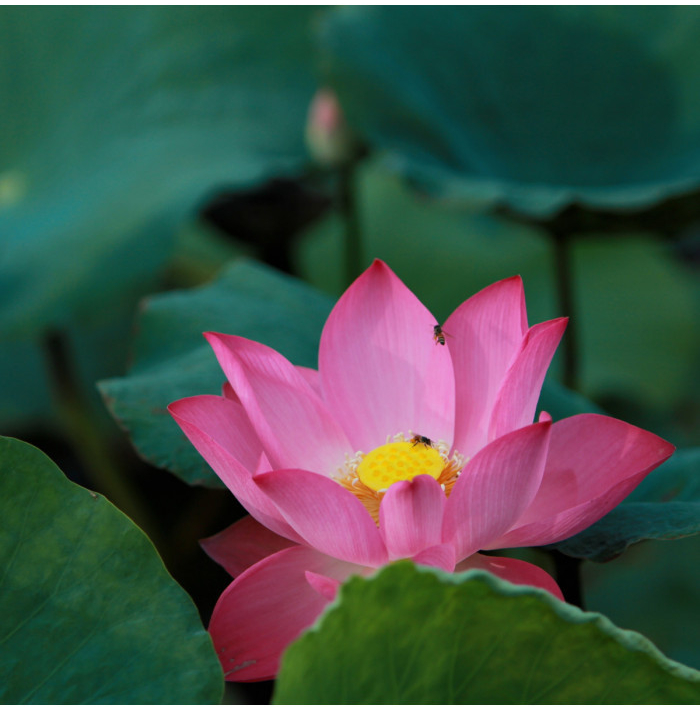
398 447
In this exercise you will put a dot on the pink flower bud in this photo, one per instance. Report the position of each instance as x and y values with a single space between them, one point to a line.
328 137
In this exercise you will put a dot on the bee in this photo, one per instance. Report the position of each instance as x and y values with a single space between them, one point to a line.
422 439
438 334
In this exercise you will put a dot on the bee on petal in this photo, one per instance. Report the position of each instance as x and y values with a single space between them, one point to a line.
438 335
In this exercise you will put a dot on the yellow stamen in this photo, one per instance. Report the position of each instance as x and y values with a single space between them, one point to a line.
396 461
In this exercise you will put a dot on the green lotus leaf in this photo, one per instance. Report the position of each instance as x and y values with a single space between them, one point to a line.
90 615
413 635
532 107
117 122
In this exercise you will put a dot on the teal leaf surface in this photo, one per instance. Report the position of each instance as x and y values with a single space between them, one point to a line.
90 615
666 505
172 360
117 122
533 107
419 636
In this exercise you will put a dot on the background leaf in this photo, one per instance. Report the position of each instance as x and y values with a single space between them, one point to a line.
172 360
90 614
117 123
480 640
534 107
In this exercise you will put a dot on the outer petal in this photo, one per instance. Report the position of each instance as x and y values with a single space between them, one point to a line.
381 371
513 570
311 377
292 422
594 462
486 333
495 488
517 398
266 607
327 516
211 425
243 544
410 516
224 420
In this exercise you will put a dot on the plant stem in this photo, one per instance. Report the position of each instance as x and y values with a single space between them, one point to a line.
85 439
565 292
347 198
568 572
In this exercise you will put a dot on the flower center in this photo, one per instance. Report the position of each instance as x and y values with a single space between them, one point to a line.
400 460
369 475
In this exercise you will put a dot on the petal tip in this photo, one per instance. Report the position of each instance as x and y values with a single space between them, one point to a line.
175 408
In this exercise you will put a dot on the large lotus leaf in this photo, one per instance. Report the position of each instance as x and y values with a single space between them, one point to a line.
420 636
666 505
172 360
535 107
116 121
89 613
636 311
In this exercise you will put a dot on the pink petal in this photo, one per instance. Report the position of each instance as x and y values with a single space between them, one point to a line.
486 333
210 422
410 516
225 421
513 570
326 515
328 588
495 488
267 607
441 556
311 377
594 462
381 371
517 398
292 422
243 544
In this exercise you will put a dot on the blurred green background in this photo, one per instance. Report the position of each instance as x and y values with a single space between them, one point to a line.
145 150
